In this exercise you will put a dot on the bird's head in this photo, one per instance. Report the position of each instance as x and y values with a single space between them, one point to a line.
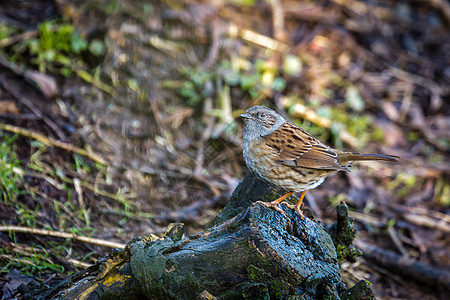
261 121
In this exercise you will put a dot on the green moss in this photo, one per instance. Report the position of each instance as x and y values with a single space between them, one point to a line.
361 290
278 288
413 136
347 252
255 273
340 252
343 233
378 134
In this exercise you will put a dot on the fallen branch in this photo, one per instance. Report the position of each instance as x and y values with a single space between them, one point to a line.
420 272
52 142
61 234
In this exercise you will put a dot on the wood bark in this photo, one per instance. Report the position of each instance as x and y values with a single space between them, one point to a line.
252 252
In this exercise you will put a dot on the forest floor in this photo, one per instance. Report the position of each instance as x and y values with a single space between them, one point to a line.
118 118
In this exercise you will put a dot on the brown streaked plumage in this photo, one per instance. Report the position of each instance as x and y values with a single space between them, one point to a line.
286 156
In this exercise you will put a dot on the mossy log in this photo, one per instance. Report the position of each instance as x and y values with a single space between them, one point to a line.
258 254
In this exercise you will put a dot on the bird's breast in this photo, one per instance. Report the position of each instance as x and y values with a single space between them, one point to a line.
263 160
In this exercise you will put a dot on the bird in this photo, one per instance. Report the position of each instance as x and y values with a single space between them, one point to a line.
287 157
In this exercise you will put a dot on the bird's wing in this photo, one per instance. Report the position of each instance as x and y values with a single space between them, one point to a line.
297 148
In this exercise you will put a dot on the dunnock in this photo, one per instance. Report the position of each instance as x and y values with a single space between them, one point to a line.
288 157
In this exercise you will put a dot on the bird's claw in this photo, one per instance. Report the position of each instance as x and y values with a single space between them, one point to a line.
271 205
294 207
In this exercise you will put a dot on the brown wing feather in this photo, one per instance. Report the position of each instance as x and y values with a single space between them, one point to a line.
296 147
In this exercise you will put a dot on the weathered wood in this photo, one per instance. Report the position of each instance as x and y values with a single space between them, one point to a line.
343 233
250 190
257 254
245 256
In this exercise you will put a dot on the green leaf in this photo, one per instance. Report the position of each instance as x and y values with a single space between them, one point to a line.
292 65
353 99
62 59
231 78
97 47
77 43
49 55
133 84
278 84
248 82
324 112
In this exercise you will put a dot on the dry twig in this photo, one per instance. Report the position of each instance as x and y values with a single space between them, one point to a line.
64 235
257 38
52 142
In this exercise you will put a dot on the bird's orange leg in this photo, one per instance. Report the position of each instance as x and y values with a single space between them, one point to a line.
297 206
274 203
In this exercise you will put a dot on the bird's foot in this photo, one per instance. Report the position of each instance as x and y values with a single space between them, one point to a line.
273 205
297 209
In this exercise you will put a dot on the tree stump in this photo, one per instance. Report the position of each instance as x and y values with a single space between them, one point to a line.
257 254
249 190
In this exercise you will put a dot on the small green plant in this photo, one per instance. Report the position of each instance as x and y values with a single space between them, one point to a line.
10 170
6 31
402 183
37 260
359 126
57 49
442 192
252 77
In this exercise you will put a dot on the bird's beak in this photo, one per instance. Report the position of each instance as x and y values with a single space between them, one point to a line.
247 116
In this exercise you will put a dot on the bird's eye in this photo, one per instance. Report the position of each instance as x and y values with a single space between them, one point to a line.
262 115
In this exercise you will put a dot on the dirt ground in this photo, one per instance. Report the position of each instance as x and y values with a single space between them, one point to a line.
147 133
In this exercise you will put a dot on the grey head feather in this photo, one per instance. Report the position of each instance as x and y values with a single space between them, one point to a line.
259 122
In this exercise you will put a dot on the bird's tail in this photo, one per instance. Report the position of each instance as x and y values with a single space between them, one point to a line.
346 157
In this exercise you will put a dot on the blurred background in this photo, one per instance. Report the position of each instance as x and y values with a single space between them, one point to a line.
120 117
